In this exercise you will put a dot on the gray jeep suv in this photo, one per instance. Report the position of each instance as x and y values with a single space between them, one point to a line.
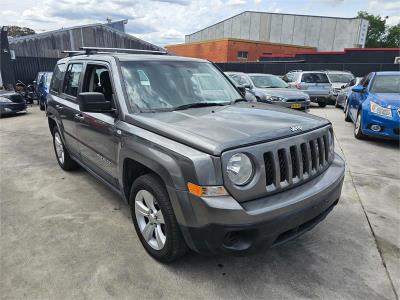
200 167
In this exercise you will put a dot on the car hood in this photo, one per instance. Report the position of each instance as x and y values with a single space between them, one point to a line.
13 96
288 93
218 128
386 99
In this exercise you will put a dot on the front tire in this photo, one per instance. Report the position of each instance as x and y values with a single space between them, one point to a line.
347 113
357 129
63 158
154 219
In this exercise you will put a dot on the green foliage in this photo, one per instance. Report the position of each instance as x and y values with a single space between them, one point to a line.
380 35
14 31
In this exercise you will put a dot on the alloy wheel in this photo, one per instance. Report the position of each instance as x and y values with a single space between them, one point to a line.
150 219
59 147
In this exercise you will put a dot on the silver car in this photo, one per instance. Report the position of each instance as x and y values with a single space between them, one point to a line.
338 79
315 83
269 88
344 93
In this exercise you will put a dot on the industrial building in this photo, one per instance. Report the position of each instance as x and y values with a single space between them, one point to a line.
270 30
23 57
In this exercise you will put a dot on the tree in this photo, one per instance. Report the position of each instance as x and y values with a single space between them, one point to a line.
380 35
14 31
393 37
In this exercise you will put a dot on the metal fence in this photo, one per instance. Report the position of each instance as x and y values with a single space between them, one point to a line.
281 68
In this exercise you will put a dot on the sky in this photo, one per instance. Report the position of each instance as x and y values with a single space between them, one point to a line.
164 22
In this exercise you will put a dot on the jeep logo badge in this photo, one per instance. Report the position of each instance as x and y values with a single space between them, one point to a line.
295 128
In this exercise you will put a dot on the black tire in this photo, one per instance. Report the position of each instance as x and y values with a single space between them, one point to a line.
174 246
67 164
322 104
357 130
347 113
41 106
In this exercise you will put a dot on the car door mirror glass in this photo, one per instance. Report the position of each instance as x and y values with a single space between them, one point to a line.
358 89
94 102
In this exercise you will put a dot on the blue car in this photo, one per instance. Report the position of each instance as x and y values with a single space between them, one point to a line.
43 88
374 106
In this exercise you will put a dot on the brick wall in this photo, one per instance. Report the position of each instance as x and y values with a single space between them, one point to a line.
226 50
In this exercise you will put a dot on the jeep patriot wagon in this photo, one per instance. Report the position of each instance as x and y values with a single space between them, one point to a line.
200 167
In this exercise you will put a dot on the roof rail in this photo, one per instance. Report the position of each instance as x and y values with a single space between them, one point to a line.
93 50
73 52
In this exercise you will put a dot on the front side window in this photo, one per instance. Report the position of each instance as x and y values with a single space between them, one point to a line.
386 84
166 85
268 81
71 81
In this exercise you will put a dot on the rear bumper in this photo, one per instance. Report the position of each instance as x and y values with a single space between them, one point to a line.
222 225
12 108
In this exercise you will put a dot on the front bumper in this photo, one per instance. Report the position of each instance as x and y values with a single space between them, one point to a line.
11 108
390 126
222 225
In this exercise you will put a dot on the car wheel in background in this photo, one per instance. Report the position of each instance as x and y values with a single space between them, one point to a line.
62 155
347 113
322 104
154 219
41 106
358 125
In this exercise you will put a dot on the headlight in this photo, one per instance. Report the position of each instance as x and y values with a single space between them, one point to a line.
2 99
274 98
240 169
377 109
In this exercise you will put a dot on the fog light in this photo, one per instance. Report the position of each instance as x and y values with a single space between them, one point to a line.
375 127
6 109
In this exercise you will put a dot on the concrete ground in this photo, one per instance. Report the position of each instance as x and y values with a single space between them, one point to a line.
65 235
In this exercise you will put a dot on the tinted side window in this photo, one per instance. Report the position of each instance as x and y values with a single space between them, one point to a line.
314 78
71 81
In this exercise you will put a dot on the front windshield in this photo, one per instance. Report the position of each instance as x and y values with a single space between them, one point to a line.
340 78
166 85
386 84
268 81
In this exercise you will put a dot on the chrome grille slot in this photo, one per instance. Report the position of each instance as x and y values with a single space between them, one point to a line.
295 162
282 165
304 158
326 143
321 151
269 168
314 156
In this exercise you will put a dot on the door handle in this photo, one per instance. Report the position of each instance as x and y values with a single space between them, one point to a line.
59 107
79 117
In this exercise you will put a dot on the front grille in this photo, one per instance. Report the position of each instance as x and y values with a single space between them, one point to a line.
295 100
298 162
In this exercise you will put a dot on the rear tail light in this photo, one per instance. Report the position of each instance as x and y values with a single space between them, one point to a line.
297 86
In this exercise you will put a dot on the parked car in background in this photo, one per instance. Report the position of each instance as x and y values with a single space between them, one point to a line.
374 106
343 94
338 80
315 83
43 89
215 174
11 103
271 89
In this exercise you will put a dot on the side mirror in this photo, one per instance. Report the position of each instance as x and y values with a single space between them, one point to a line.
358 89
247 86
94 102
242 89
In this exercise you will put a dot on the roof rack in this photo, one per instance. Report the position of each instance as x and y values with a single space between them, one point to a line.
92 50
100 50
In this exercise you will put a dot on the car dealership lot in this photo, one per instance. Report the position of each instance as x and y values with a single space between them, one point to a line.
65 235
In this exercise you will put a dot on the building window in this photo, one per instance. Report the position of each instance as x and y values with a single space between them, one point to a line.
242 54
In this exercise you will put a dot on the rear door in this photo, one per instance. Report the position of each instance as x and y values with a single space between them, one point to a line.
315 84
67 106
97 135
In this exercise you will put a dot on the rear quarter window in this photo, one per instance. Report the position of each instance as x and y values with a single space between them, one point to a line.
314 78
57 79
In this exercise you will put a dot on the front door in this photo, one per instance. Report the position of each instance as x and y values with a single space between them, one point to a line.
98 138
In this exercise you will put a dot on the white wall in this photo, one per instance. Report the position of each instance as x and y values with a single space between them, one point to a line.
324 33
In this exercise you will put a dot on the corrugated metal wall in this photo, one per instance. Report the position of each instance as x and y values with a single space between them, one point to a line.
52 43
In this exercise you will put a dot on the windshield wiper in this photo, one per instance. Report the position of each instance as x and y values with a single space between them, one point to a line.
198 104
